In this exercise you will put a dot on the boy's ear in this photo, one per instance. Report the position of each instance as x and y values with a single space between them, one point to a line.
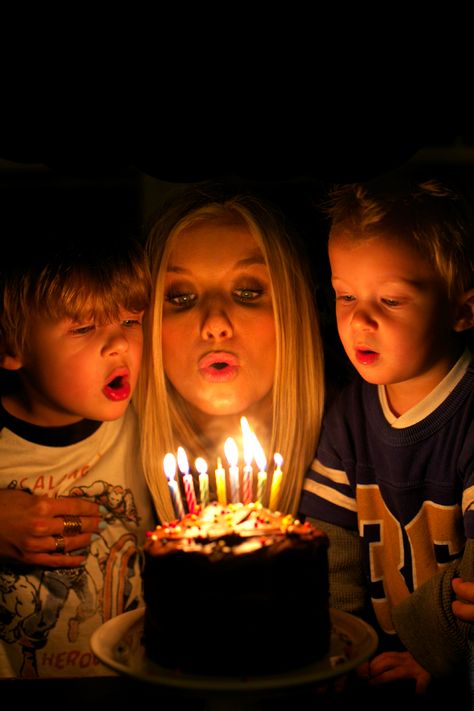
10 362
465 311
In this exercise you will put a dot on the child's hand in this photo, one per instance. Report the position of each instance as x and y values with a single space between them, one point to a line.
32 528
393 666
463 606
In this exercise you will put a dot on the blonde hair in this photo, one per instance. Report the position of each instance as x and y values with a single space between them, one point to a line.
437 219
298 389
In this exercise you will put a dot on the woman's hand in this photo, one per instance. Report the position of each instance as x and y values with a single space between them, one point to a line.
393 666
463 606
33 530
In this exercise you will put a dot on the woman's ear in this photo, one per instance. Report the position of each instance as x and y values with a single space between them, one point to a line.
10 362
465 311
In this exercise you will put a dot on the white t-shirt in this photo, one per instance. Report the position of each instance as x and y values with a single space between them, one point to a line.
47 615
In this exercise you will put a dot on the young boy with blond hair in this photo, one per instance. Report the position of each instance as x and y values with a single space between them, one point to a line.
393 478
74 506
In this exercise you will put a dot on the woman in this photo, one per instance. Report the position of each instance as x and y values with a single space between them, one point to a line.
232 331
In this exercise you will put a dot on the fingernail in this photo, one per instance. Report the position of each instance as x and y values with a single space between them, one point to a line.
95 537
102 509
102 525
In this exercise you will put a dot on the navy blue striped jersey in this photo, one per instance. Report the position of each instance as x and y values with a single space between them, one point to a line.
409 491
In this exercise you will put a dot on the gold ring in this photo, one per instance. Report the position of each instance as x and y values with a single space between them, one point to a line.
60 543
72 525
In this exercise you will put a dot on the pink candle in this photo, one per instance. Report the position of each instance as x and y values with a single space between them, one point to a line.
187 480
247 483
232 455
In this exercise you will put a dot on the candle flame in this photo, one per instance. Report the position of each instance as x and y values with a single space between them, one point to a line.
169 465
258 453
231 451
278 459
183 461
201 465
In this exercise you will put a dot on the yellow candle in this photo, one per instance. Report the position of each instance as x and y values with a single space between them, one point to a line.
220 483
276 482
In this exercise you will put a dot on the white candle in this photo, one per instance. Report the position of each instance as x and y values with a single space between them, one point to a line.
201 466
220 483
247 484
169 465
187 480
261 460
232 454
276 482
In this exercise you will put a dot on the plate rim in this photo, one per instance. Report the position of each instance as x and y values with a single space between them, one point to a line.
109 634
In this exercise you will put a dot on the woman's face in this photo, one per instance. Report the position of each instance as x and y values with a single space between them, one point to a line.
218 324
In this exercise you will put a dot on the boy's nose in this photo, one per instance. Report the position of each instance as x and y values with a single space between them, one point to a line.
116 343
362 318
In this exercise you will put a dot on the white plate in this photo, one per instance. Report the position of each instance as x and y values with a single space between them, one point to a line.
118 644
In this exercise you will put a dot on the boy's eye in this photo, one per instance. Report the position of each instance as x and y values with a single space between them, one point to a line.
247 294
345 298
82 330
391 302
181 300
131 322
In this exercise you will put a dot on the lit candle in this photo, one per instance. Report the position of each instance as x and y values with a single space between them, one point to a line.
169 465
276 482
201 466
261 460
247 484
220 483
232 455
187 480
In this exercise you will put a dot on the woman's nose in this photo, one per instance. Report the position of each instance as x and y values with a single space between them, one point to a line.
216 325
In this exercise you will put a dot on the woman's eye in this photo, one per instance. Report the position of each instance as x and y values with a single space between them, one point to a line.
181 300
247 294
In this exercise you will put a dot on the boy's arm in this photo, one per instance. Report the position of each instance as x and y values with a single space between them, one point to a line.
427 626
347 585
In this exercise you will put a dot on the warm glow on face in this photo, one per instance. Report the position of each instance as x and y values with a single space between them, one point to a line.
169 465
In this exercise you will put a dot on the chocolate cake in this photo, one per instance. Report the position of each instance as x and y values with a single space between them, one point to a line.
236 590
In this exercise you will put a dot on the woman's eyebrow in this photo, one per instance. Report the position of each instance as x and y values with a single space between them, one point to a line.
246 262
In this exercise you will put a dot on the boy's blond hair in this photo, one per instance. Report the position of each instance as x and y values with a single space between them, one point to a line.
81 280
436 218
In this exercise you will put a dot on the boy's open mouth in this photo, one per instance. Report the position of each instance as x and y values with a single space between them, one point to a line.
117 389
